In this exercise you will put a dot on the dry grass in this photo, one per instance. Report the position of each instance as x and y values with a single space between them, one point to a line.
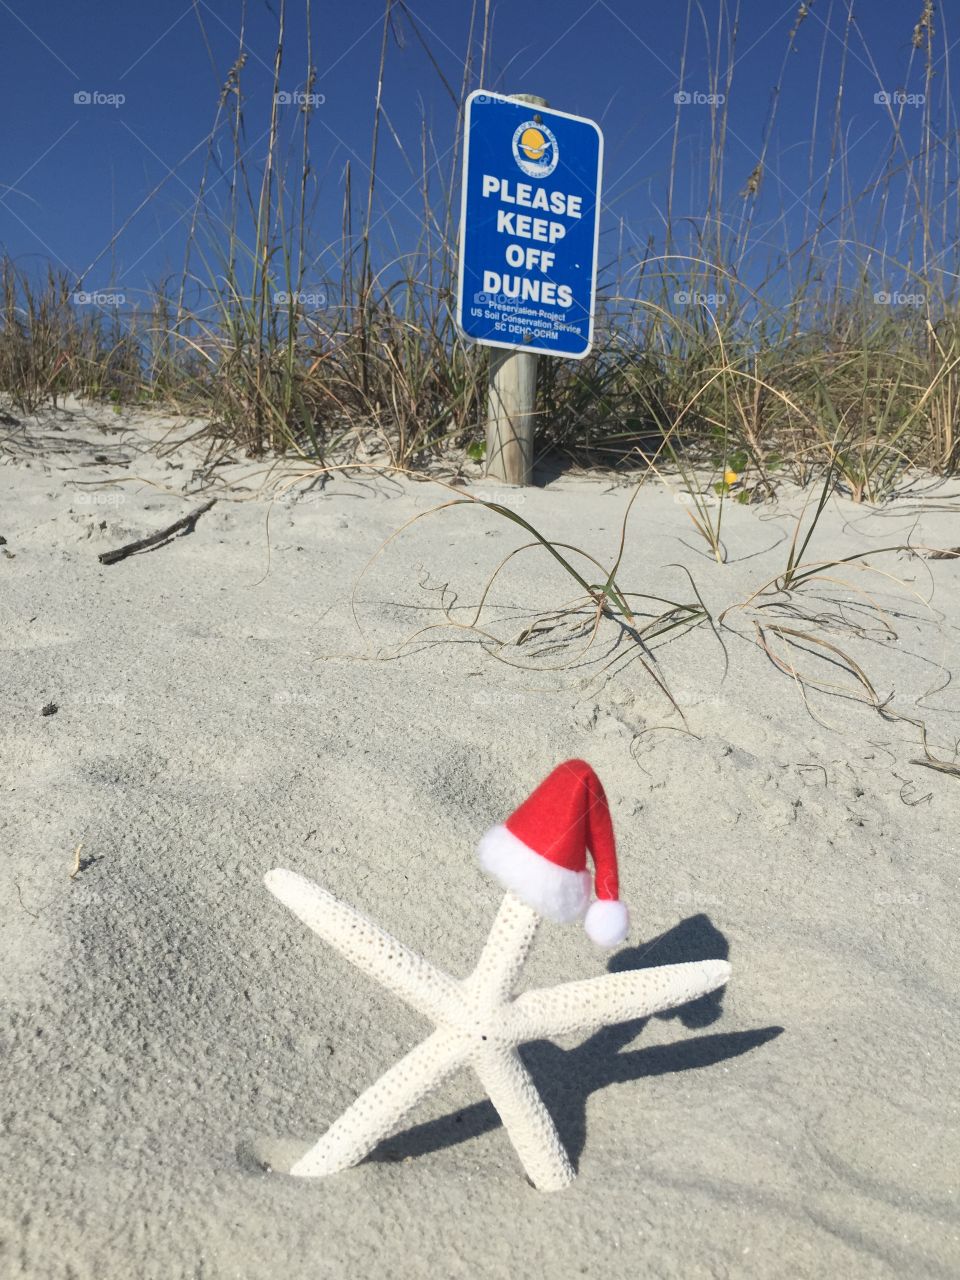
802 375
806 619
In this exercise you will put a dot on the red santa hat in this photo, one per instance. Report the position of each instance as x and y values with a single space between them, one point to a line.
540 853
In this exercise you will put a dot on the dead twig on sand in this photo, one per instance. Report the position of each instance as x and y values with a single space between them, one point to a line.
16 885
77 862
186 524
941 766
930 761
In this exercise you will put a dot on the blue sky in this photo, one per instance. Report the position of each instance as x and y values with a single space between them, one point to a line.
74 173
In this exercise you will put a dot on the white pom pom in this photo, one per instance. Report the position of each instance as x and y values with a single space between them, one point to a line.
607 922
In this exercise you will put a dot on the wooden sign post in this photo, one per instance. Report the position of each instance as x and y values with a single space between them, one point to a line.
512 399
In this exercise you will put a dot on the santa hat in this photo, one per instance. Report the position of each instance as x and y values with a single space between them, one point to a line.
540 853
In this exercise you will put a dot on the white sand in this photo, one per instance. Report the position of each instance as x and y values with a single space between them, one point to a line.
164 1023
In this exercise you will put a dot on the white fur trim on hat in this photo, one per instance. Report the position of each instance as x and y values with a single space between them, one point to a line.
607 922
555 892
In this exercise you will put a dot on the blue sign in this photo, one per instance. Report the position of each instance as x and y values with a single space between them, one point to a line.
528 227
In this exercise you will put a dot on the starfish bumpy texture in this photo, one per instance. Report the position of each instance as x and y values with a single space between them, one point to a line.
479 1023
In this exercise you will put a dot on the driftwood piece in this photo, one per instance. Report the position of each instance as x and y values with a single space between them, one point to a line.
185 525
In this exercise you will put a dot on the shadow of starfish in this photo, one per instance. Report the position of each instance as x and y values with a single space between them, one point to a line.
567 1077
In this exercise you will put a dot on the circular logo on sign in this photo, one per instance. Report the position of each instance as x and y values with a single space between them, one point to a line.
535 149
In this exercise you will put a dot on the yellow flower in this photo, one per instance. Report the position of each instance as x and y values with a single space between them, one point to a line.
730 477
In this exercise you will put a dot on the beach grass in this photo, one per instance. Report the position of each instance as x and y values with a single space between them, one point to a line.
733 352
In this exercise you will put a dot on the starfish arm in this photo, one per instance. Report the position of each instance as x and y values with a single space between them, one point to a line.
525 1118
615 997
504 952
375 952
380 1110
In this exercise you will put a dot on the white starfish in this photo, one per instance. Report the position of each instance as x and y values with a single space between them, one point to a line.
478 1023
